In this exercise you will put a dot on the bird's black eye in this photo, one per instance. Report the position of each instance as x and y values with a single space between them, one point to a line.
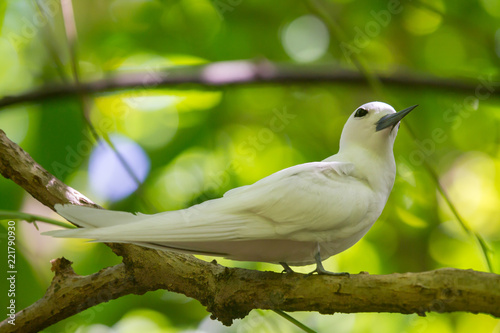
360 112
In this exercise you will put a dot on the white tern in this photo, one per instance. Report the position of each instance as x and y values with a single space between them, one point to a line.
297 216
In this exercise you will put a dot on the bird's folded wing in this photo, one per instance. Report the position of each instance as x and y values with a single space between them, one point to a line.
300 198
305 198
332 169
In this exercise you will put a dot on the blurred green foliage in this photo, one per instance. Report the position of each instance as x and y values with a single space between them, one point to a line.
202 141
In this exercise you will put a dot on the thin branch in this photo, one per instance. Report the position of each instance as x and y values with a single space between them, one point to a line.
227 73
11 215
50 41
230 293
85 100
475 236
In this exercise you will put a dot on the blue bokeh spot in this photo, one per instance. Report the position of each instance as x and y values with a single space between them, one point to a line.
108 177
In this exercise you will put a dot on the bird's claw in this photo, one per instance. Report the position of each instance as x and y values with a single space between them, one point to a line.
286 268
320 270
323 271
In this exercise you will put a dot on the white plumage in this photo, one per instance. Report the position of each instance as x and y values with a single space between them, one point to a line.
297 216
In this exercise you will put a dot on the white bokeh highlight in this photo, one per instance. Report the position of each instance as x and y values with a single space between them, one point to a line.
305 39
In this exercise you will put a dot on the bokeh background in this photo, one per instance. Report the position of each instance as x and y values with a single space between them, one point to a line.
189 143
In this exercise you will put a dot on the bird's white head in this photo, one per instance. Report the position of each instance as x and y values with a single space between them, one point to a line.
372 126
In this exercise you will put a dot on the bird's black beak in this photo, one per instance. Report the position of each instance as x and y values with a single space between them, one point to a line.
393 119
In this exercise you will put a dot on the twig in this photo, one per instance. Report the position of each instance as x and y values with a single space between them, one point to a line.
85 100
232 73
6 214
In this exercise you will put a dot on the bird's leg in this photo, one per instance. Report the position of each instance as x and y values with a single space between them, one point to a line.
287 268
320 270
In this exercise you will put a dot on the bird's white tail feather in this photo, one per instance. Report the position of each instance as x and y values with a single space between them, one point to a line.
88 217
114 226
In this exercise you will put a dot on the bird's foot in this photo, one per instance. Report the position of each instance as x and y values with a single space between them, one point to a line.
322 271
286 268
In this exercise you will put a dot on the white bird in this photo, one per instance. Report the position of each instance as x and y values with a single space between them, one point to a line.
297 216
